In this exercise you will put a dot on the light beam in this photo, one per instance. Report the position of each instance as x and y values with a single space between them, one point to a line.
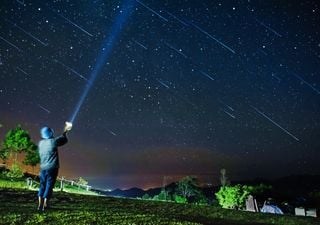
107 46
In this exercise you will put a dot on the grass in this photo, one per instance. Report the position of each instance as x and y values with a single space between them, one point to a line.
18 206
13 183
21 183
76 190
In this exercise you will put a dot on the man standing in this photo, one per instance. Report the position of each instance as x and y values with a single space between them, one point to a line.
49 162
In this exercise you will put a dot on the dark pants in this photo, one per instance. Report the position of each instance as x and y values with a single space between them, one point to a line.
47 180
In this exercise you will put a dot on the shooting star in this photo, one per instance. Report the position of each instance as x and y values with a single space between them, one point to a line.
69 68
176 18
74 24
177 95
26 32
226 105
141 45
268 118
113 133
207 75
8 42
21 70
56 12
276 77
21 2
263 52
213 38
162 83
179 51
229 114
268 28
307 83
151 10
43 108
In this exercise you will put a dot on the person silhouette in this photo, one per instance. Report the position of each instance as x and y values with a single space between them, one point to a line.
49 162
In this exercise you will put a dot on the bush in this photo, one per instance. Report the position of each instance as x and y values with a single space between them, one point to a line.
233 197
180 199
201 199
146 197
15 171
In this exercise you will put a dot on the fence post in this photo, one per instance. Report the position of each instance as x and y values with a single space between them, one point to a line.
61 183
29 182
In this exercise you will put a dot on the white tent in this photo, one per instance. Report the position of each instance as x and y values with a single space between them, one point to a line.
271 209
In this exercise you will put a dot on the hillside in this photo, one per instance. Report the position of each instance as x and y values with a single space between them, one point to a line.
19 206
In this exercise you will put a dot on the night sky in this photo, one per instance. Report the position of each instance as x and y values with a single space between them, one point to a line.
189 87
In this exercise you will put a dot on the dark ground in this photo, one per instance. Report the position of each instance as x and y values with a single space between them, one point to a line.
19 207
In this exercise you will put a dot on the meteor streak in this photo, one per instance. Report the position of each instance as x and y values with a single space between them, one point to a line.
141 45
26 32
8 42
151 10
21 70
44 109
229 114
69 21
163 84
69 68
113 133
276 77
213 38
179 20
74 24
268 118
269 28
106 47
207 75
307 83
179 51
226 105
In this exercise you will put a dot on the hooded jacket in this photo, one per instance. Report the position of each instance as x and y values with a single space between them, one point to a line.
48 151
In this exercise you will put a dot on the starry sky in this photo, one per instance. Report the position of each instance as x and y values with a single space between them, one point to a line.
189 87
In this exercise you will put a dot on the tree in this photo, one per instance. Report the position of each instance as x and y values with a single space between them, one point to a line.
187 187
146 196
4 153
82 181
17 141
201 199
233 197
32 156
164 195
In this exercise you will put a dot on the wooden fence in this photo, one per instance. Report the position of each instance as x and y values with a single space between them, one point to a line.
63 181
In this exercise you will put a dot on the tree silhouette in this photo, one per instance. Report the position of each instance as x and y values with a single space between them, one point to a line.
32 156
17 141
188 187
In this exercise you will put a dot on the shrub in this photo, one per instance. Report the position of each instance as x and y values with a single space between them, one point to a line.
233 197
15 171
146 197
180 199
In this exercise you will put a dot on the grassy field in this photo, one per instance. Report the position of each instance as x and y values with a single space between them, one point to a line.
18 206
21 183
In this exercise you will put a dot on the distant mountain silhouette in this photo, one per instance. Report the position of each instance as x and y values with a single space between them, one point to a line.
288 188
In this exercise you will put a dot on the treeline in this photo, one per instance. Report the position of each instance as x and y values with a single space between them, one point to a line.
188 190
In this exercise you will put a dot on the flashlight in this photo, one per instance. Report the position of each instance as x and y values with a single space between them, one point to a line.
68 126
